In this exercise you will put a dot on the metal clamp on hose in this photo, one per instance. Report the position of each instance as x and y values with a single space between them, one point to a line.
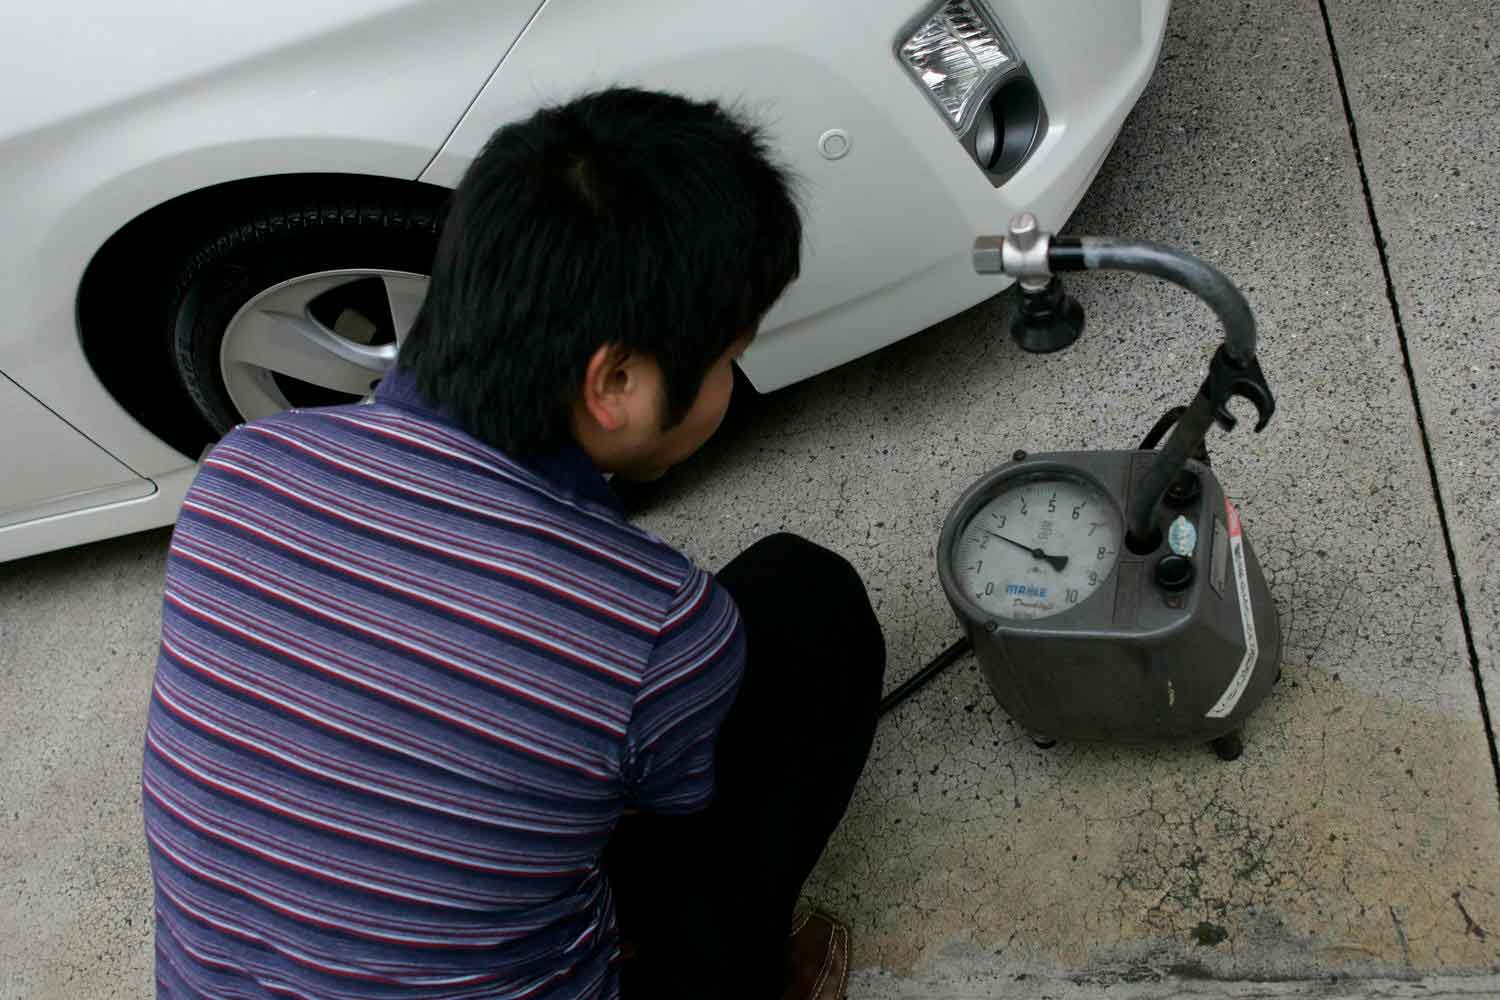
1228 378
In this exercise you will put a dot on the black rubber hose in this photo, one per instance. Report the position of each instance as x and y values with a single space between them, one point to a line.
1094 253
922 677
1159 429
1100 253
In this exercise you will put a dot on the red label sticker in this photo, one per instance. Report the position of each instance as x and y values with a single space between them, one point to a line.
1237 684
1234 518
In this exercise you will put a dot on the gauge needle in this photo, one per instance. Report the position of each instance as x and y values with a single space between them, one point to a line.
1059 563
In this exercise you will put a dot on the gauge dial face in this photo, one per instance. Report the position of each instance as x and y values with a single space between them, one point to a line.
1039 547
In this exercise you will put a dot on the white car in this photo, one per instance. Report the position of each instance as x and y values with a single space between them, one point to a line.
212 211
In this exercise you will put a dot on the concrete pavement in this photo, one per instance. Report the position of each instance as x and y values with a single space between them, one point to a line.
1429 123
1354 850
1360 827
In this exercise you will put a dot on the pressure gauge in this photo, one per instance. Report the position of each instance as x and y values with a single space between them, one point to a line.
1082 637
1041 545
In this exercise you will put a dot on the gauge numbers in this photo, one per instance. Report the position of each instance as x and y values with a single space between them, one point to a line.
1039 547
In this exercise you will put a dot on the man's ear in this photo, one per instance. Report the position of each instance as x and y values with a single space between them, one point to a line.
608 382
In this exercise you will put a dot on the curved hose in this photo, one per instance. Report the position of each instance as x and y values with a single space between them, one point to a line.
1099 253
1094 253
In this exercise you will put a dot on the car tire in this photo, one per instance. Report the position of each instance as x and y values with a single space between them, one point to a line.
275 246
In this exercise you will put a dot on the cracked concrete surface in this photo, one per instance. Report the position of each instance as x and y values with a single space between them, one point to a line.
1353 851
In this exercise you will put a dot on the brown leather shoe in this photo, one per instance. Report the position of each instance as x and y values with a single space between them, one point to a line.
820 957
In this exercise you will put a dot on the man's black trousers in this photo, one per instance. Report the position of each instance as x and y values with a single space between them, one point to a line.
706 900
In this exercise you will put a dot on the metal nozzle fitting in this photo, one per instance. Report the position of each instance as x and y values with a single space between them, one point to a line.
989 255
1025 252
1021 253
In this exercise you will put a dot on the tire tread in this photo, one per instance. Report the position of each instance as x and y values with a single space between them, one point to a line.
255 232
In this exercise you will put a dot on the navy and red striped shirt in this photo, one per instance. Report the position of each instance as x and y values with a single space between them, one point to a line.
406 687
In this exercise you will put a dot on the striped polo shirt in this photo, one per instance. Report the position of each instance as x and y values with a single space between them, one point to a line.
406 687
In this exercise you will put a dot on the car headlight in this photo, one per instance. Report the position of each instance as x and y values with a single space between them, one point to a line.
959 55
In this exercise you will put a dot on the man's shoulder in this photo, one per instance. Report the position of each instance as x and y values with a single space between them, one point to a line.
420 482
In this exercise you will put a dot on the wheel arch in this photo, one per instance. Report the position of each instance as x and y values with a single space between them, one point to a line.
136 269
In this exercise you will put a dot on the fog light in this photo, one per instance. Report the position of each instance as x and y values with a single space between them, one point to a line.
952 53
962 60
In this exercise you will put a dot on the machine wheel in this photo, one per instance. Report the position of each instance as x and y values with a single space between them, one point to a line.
300 302
1230 745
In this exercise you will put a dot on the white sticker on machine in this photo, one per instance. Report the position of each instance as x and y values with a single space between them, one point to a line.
1236 688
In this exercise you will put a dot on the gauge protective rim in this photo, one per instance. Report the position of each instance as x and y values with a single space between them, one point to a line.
967 506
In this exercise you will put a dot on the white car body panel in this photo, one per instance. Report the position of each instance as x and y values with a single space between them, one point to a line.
889 225
50 467
129 106
240 90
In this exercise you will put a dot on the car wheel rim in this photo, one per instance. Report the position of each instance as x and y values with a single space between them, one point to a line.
318 338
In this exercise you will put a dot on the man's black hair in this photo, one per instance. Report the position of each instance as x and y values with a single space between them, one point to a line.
624 217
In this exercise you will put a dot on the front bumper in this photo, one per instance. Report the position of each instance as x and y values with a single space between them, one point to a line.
889 222
908 231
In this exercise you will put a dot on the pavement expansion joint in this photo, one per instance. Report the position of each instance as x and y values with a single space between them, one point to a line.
1416 399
